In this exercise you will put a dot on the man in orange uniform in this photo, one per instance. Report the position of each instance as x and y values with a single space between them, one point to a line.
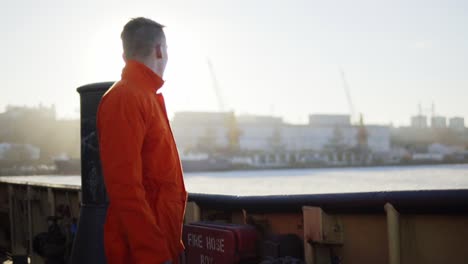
141 166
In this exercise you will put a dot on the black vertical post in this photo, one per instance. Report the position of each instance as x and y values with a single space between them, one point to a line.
88 246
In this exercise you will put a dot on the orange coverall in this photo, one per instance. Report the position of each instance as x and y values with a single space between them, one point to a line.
142 171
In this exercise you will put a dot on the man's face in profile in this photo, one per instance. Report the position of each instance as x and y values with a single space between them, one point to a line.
161 54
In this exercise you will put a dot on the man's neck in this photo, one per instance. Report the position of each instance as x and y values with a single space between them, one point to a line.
154 66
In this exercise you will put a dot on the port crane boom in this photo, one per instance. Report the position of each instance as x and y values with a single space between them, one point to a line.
216 86
348 95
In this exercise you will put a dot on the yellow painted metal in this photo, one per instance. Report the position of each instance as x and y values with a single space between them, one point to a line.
393 227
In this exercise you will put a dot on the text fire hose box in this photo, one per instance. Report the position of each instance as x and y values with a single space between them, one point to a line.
208 243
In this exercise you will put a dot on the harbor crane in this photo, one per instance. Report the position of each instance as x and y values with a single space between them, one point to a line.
233 133
348 95
362 135
216 88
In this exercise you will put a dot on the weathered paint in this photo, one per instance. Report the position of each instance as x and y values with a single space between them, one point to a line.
206 245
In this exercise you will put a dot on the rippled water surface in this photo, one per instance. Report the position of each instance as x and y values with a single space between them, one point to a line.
305 181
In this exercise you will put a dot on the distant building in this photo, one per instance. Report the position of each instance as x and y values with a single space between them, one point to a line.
4 148
259 132
427 157
457 123
378 138
259 137
39 112
19 152
419 121
437 148
259 119
200 118
39 127
271 134
438 122
201 130
299 137
322 120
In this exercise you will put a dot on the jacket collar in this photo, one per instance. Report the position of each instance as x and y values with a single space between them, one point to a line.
143 75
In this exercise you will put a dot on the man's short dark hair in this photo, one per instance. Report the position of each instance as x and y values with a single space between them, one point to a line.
139 37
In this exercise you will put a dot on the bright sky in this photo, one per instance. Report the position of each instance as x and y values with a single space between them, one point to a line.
270 56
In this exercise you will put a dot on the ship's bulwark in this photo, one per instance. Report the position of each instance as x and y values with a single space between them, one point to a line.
431 201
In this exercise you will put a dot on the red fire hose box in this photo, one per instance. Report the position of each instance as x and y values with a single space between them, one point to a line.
215 243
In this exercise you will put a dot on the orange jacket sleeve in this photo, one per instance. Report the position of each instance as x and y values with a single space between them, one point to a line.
121 126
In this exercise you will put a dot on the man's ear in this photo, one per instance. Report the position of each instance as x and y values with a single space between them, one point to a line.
158 51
